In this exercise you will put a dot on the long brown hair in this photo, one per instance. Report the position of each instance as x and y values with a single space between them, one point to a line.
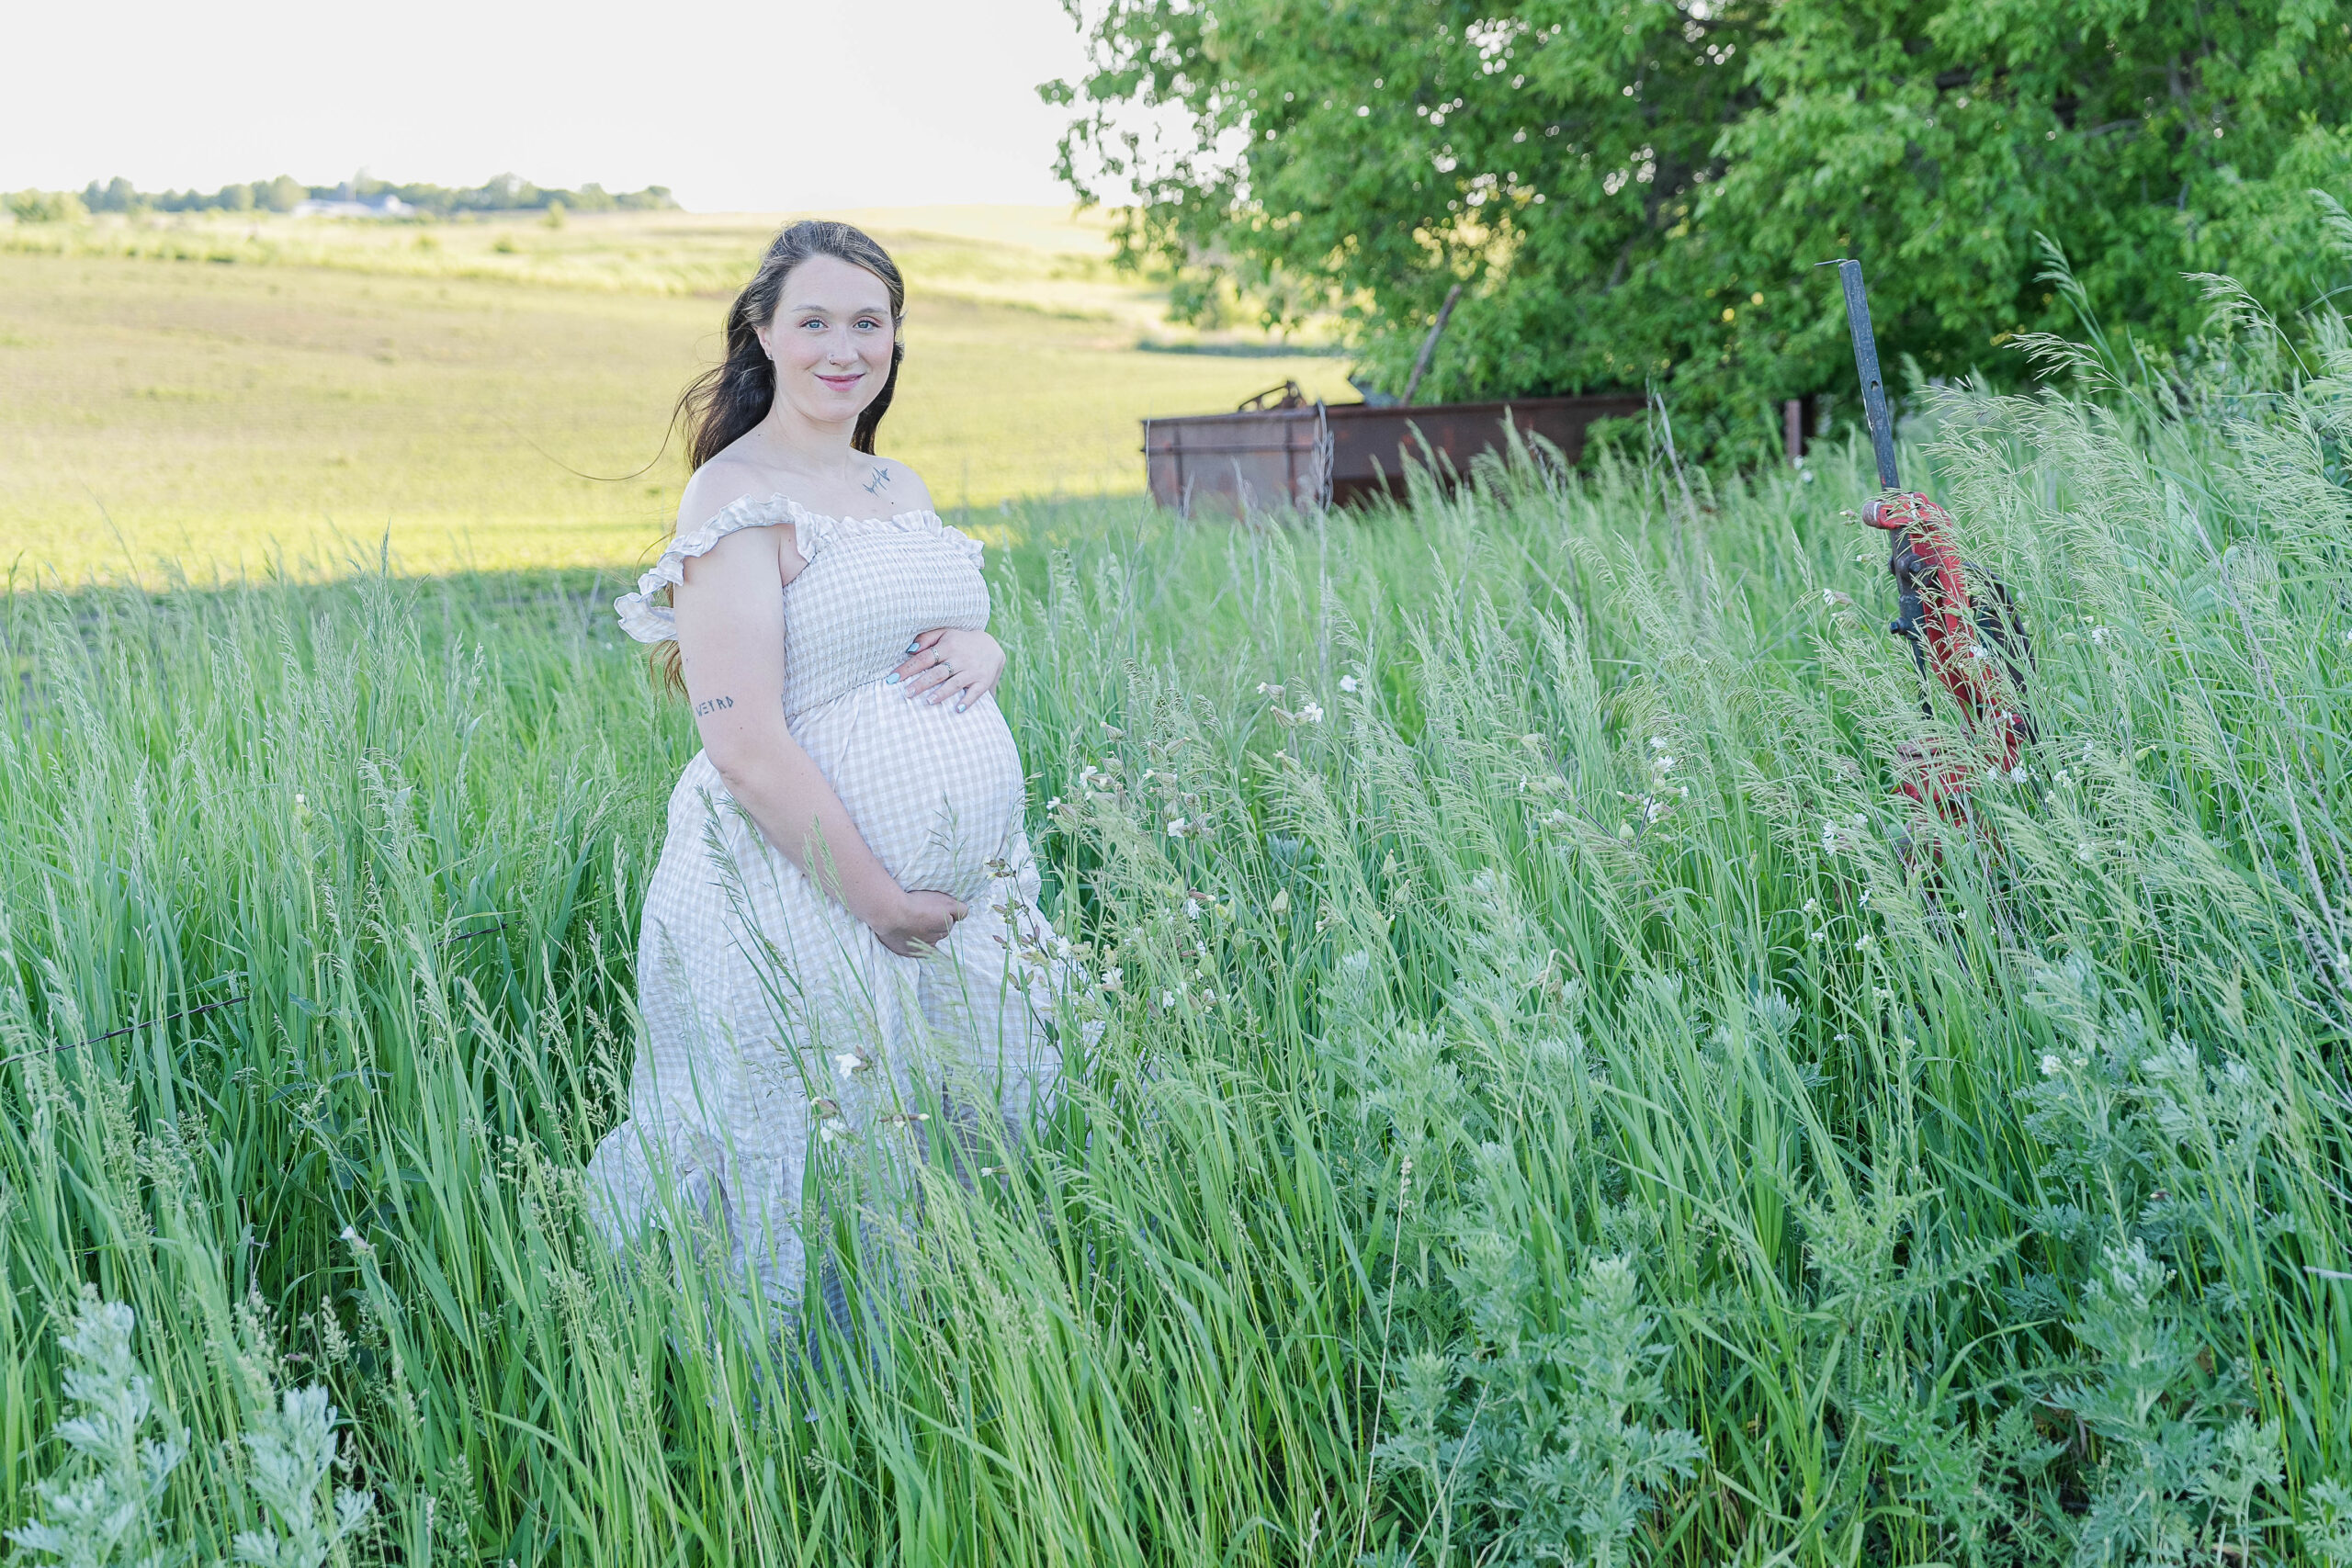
731 397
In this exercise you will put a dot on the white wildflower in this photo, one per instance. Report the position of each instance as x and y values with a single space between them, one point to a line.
1866 943
1347 682
1821 936
1111 977
849 1062
2099 634
358 1243
1166 998
2050 1065
1810 906
1657 742
1177 828
1054 805
1311 712
2017 774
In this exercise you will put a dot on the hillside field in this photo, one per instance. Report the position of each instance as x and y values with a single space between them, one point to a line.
211 397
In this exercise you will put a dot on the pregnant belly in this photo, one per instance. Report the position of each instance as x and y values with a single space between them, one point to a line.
936 793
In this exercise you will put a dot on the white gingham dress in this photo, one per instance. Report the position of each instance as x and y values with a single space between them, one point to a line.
771 1012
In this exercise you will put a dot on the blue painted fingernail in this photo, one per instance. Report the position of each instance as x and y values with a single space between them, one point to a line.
915 647
959 707
891 679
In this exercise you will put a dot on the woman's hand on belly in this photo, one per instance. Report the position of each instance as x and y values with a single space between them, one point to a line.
950 661
918 923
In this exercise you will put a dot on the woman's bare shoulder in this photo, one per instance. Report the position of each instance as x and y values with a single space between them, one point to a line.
714 488
896 487
717 485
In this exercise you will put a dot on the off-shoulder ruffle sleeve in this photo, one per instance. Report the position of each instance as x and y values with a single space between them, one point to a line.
648 621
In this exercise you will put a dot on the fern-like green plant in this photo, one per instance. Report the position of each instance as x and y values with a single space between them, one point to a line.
102 1506
293 1450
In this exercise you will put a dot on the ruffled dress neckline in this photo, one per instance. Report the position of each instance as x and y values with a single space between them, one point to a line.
649 622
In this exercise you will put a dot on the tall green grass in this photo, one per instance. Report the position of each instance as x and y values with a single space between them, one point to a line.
1556 1103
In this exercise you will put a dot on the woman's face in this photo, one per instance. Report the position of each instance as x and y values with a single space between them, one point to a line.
830 340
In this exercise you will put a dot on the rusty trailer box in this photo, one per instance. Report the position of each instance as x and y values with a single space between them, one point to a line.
1309 454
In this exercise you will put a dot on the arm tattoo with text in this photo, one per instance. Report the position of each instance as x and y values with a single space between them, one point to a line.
881 478
703 710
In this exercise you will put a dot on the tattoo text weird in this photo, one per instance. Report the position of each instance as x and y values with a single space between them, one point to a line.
703 710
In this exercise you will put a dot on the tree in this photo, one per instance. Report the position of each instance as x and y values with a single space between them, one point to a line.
1636 190
116 196
47 207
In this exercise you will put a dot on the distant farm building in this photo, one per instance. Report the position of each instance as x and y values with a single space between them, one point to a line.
386 204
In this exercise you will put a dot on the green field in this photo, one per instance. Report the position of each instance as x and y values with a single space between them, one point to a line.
1558 1104
215 398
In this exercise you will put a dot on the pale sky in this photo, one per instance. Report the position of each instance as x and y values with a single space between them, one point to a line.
733 104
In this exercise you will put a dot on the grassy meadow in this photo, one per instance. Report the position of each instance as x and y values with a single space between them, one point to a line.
1553 1102
213 397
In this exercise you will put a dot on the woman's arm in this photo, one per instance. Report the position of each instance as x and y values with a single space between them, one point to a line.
730 641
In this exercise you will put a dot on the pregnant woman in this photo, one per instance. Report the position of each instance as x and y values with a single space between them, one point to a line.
841 937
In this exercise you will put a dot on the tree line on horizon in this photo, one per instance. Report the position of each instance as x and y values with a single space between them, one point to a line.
504 193
1632 194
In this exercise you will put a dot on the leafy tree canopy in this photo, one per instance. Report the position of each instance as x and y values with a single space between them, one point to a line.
1636 190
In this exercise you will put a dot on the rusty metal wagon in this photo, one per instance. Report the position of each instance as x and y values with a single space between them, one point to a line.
1281 450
